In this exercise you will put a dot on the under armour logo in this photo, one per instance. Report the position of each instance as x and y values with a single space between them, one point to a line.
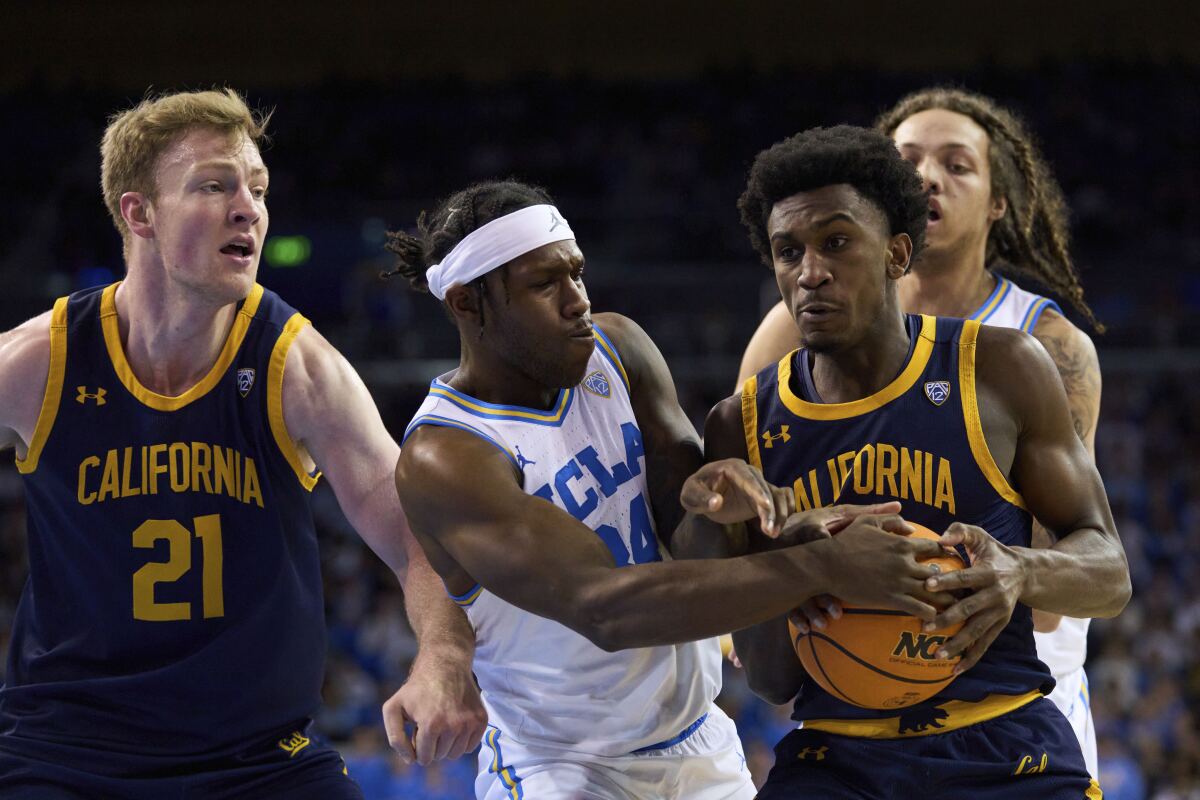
554 221
84 395
522 460
817 753
294 743
769 439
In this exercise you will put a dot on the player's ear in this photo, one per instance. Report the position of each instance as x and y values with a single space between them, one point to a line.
464 304
999 208
136 211
898 255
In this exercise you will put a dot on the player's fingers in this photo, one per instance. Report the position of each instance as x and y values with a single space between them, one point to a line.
697 497
810 615
444 745
966 608
832 606
425 744
914 606
751 484
976 577
957 533
785 505
894 523
972 654
395 723
842 515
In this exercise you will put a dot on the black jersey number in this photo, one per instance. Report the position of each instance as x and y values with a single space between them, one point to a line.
179 540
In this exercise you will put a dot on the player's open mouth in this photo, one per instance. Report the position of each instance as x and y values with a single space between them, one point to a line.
241 248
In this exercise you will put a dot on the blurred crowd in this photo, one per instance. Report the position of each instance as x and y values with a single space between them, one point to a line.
648 174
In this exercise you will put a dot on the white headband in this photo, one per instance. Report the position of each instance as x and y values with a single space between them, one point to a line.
496 243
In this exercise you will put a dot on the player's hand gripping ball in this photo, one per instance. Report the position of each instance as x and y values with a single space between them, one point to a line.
878 657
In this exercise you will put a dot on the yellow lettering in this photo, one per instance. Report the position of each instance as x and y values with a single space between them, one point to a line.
201 466
815 488
864 470
910 474
251 491
110 484
928 498
843 463
831 465
886 466
156 467
86 498
178 460
1025 760
128 490
145 468
802 501
945 487
223 481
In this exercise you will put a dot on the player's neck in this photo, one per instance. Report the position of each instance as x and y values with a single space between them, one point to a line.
491 380
864 369
947 284
171 338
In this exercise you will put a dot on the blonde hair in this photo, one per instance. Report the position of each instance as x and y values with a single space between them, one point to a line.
135 138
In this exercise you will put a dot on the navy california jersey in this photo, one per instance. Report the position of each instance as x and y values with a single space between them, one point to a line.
173 606
918 440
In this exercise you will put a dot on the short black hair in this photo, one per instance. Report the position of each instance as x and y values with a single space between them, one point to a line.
863 158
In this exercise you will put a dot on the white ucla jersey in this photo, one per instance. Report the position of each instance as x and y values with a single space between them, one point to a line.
543 683
1010 306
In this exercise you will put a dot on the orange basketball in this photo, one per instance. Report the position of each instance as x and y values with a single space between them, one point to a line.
877 657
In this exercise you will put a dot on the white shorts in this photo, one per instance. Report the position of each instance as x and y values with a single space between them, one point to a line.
1072 698
706 765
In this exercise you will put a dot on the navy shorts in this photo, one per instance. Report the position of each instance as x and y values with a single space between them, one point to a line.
295 767
1030 752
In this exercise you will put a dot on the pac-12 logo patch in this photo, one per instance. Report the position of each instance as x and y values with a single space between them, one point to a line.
937 391
245 378
597 383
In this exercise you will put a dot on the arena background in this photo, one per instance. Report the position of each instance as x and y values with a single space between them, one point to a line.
642 118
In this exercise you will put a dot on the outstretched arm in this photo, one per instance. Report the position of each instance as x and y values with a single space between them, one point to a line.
1074 356
1084 573
330 414
463 497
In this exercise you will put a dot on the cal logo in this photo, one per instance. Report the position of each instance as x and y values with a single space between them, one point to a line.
294 743
937 391
597 383
245 379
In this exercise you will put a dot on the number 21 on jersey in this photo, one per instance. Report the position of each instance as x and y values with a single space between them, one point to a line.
179 561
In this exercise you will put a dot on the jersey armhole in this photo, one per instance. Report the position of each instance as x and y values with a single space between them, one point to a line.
445 422
750 419
610 352
54 387
283 439
970 403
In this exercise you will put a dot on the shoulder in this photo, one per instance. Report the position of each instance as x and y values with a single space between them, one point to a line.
639 355
724 430
314 366
437 461
24 367
1068 346
1013 367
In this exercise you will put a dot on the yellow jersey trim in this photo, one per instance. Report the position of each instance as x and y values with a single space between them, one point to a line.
54 386
1093 791
979 447
903 382
611 351
504 412
159 402
959 714
466 600
750 420
283 439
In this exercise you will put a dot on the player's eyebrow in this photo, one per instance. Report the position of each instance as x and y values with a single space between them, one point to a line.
227 164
